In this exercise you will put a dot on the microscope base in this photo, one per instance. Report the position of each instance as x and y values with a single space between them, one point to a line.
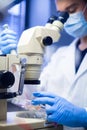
16 123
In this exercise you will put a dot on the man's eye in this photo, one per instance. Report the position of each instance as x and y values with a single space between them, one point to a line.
71 11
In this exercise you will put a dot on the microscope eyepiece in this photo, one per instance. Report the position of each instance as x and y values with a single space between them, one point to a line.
63 16
52 19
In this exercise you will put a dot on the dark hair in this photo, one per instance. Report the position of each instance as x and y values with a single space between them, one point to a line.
85 1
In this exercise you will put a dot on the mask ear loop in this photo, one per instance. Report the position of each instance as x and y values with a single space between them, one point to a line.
84 9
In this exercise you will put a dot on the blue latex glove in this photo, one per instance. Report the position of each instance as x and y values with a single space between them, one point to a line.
60 110
8 41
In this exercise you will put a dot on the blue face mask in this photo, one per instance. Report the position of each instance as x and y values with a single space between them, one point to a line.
76 25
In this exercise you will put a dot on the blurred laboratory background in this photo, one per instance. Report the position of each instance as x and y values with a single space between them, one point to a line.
24 14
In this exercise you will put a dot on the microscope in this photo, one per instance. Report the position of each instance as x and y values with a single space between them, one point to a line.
29 58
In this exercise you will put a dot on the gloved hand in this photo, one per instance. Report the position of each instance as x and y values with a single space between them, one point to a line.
60 110
8 41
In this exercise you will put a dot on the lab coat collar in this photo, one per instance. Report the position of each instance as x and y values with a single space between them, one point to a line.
69 63
83 67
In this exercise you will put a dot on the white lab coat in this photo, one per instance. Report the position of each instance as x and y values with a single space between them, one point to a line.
59 77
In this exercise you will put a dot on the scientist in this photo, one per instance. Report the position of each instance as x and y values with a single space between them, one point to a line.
64 80
8 41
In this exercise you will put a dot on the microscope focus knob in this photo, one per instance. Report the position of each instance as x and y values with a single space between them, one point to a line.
47 41
7 79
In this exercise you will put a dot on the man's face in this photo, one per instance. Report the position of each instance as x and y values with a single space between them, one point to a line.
71 6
